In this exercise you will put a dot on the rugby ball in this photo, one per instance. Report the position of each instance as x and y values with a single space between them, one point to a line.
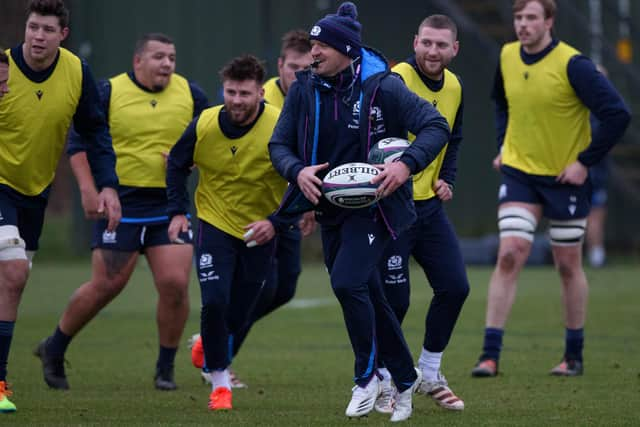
349 186
387 150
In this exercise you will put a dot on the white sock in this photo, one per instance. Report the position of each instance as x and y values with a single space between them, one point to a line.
597 256
386 375
220 379
429 364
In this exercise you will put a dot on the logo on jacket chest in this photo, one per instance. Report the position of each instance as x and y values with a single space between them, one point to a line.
376 119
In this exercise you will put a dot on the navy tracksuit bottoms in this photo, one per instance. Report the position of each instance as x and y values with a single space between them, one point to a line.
231 277
433 244
282 281
352 251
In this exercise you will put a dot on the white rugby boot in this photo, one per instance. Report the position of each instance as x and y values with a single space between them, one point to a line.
441 393
363 398
404 401
387 397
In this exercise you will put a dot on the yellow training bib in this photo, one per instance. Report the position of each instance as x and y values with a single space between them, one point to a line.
447 101
238 184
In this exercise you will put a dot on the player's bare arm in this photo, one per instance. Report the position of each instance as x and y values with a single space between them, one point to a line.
86 184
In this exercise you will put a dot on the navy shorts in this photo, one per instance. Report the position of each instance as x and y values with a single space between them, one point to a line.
129 237
24 212
559 201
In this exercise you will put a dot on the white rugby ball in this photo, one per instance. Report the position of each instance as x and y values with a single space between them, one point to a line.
387 150
349 186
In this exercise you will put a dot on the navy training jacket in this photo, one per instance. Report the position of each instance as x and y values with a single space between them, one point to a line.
392 111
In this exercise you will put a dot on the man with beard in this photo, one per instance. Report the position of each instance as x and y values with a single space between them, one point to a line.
280 288
431 240
237 190
544 90
147 110
50 88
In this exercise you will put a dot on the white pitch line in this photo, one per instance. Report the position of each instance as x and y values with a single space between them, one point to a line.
311 302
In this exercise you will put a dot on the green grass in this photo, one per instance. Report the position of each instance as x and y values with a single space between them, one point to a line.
298 362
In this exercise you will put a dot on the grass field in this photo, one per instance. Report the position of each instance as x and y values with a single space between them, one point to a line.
298 362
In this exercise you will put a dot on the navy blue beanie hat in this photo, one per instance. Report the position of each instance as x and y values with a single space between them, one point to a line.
341 31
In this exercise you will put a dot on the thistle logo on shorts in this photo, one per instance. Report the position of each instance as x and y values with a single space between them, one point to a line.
371 239
394 262
315 30
109 237
206 261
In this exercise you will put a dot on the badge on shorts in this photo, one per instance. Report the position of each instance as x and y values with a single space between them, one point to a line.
206 261
394 262
109 237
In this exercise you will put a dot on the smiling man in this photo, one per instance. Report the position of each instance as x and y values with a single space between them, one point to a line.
237 191
147 110
431 240
50 89
333 114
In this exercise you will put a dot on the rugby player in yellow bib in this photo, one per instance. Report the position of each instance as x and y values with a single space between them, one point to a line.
50 88
237 191
147 110
544 90
431 240
295 55
280 288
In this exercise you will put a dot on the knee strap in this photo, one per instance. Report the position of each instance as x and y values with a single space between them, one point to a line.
567 233
515 221
12 246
